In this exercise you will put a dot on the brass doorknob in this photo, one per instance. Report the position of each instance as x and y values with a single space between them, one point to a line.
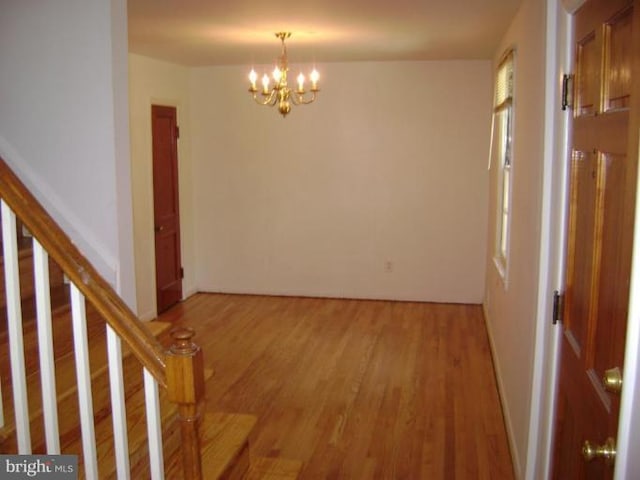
606 451
159 229
612 380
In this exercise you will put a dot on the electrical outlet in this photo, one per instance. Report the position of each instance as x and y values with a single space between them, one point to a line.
388 266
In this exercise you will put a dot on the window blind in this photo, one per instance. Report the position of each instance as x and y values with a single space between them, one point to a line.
504 82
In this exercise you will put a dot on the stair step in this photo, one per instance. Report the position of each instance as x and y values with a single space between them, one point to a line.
65 382
224 447
266 468
27 285
62 340
59 295
66 388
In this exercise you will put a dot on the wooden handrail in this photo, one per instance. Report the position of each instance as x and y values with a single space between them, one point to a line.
92 285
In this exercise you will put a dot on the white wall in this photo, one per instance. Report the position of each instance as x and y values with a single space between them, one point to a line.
389 165
155 82
511 308
60 108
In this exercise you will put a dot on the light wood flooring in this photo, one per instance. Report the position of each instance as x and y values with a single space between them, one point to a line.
356 389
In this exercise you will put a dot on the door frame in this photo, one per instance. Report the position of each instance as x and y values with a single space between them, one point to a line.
559 60
554 216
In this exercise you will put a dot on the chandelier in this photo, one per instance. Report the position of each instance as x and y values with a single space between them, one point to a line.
280 94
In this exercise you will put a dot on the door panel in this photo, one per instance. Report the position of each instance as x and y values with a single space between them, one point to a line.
166 207
599 237
617 81
580 265
587 75
610 208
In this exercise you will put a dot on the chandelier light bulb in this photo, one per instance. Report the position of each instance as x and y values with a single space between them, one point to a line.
253 76
277 74
315 76
301 83
265 83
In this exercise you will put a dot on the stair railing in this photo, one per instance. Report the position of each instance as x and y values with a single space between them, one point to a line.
179 370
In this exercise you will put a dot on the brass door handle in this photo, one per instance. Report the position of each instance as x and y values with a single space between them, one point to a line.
159 229
612 380
606 451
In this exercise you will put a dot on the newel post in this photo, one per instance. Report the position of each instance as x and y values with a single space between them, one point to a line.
185 386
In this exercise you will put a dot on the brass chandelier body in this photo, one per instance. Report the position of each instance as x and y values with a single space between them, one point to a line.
280 93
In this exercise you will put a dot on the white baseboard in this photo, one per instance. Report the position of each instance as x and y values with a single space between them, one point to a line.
517 466
187 292
330 294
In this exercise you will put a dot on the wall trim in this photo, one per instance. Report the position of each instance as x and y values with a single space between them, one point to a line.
188 292
329 294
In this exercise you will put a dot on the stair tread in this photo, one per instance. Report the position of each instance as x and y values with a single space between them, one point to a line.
25 248
27 282
66 376
223 438
267 468
60 320
59 296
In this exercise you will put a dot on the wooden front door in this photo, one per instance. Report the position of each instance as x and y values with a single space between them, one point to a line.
166 206
602 195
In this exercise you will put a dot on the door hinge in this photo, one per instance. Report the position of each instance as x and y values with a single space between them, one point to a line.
177 132
558 306
181 272
567 85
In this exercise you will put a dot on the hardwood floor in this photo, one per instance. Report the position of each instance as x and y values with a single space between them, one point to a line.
356 389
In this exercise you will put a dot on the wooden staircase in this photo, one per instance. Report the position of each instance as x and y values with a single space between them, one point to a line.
195 443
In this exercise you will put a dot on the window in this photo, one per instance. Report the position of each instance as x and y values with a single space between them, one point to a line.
502 154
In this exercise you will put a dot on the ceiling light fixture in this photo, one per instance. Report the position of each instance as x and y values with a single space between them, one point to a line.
280 94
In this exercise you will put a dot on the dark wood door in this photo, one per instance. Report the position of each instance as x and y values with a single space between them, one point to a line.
166 206
602 196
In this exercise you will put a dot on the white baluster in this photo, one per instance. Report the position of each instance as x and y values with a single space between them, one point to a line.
45 344
118 409
1 407
83 373
154 427
14 318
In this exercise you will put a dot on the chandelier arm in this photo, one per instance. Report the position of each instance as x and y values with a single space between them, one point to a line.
270 99
301 99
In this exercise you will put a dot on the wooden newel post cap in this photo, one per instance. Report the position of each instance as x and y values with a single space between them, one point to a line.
182 343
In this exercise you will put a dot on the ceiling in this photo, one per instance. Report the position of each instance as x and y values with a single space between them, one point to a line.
216 32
